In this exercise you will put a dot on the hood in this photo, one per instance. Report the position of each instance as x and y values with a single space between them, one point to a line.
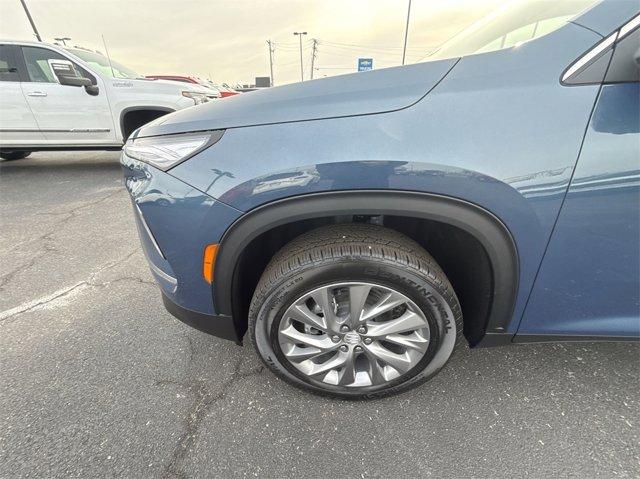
364 93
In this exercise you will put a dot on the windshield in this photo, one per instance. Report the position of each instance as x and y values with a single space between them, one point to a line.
510 25
205 83
101 64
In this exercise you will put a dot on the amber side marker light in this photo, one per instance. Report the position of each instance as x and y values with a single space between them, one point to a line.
209 261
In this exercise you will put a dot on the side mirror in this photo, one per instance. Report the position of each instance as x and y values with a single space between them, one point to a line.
75 81
636 57
66 74
92 90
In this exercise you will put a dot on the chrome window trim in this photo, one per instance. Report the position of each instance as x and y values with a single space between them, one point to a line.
589 56
630 26
600 47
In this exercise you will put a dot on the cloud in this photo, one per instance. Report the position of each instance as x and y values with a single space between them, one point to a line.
226 39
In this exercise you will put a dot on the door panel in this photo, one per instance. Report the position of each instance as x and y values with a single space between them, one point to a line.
589 280
66 114
17 123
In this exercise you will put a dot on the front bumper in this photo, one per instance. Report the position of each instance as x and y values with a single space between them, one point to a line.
219 325
175 222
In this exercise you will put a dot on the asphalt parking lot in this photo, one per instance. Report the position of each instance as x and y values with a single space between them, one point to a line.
98 380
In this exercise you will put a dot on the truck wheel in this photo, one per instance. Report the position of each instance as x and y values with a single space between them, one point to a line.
14 155
354 311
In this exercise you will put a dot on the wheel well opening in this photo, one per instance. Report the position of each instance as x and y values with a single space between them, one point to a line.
134 119
461 256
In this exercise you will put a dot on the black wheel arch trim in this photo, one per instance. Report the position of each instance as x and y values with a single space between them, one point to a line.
492 234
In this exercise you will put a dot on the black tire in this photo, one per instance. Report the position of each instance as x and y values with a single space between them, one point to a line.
347 253
14 155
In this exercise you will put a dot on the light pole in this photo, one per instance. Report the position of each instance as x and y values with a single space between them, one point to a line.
406 33
63 40
299 34
33 25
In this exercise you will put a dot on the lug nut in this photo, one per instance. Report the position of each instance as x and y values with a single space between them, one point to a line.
368 340
344 328
362 330
358 349
335 339
344 348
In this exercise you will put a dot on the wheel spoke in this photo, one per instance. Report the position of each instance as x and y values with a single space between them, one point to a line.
409 321
335 362
387 303
297 354
303 314
321 342
399 362
376 373
324 298
412 341
358 295
348 373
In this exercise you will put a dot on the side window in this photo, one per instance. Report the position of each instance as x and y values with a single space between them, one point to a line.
624 67
37 61
8 64
615 59
525 33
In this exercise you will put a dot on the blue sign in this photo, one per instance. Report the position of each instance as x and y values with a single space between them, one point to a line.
365 64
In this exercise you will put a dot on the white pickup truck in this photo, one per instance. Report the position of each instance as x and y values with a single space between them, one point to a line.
59 98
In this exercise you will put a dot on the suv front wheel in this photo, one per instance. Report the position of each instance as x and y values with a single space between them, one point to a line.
354 311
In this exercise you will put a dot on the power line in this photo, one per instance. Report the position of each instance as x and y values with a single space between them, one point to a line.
291 44
286 49
337 51
286 64
376 47
342 49
372 50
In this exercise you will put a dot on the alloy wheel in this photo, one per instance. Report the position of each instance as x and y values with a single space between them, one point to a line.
353 334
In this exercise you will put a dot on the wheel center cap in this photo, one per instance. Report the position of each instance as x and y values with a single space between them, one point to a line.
352 337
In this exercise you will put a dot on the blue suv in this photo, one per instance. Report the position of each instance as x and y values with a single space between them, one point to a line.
360 226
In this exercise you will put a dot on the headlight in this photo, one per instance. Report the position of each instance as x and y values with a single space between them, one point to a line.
197 98
165 152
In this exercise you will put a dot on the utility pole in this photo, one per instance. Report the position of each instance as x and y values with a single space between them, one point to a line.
63 40
270 60
406 33
33 25
299 35
314 52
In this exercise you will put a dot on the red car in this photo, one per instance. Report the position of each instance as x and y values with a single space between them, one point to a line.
223 90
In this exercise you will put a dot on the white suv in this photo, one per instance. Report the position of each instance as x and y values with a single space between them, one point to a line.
55 98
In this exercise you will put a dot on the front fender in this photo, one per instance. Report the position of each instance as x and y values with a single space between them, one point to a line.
499 131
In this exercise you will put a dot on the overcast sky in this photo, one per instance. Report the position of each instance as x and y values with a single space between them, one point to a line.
226 39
